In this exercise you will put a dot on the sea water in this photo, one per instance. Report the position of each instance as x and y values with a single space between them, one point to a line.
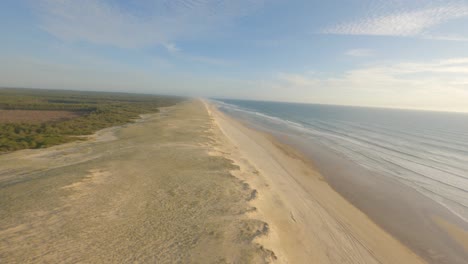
425 150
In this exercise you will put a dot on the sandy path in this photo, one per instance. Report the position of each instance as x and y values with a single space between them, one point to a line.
309 221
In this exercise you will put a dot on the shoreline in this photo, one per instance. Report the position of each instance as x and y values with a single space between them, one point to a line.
310 221
425 227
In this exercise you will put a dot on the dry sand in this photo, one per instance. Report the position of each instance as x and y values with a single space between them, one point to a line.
309 221
147 192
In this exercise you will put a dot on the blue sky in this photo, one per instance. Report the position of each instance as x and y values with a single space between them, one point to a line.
394 53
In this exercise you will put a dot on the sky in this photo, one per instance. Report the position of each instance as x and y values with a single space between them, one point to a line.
392 53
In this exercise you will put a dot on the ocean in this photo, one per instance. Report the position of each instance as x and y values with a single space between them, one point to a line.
425 150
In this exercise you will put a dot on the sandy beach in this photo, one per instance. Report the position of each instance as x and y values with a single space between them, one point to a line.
426 227
234 132
186 185
309 221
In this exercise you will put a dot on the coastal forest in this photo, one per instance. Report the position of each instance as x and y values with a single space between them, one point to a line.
33 118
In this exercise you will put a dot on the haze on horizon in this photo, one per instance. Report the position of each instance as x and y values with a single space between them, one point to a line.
400 54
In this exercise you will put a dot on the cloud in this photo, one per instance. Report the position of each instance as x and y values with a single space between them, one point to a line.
360 52
161 22
171 47
298 79
401 22
435 85
449 37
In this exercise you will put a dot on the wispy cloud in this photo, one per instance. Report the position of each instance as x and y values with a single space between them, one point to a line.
360 53
177 52
437 85
406 22
298 79
449 37
162 23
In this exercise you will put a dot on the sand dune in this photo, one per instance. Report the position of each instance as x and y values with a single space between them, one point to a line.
151 193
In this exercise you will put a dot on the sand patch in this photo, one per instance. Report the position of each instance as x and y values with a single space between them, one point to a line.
82 187
458 234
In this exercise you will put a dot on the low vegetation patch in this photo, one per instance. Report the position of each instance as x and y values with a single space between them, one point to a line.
31 118
37 116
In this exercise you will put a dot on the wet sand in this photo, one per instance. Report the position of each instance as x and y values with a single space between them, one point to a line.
309 221
423 225
148 192
427 228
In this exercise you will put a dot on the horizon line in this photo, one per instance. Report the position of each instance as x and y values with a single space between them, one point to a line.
243 99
